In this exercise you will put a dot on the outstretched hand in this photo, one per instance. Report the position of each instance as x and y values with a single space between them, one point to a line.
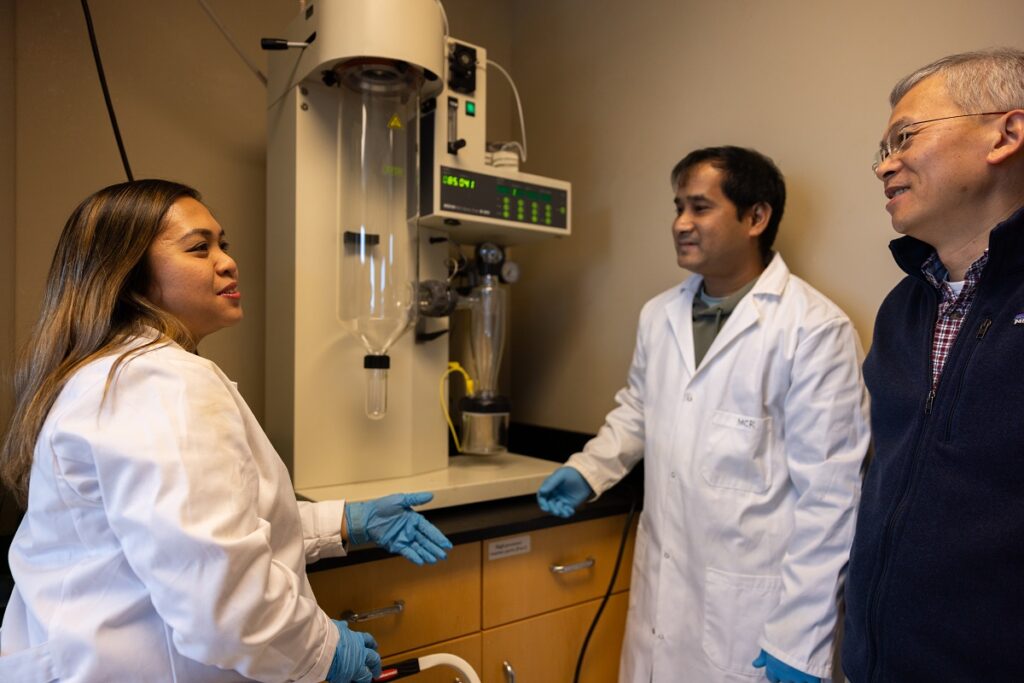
563 491
391 523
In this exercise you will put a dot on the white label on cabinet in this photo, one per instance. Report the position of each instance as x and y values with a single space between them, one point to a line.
507 547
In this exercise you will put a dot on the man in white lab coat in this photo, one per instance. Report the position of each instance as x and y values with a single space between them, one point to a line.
746 402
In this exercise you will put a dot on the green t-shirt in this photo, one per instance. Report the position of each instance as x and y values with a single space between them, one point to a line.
709 315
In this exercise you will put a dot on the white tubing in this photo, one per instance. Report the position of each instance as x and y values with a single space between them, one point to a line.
519 104
457 663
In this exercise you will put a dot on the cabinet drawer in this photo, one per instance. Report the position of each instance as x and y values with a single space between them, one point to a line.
439 602
520 585
468 648
545 648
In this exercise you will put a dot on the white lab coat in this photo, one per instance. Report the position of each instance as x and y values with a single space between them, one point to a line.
751 482
163 541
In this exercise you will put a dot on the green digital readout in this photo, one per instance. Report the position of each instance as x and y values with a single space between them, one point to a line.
524 193
515 200
453 180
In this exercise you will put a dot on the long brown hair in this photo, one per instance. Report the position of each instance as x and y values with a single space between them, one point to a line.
95 300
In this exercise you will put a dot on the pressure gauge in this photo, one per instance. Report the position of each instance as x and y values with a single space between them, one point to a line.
510 272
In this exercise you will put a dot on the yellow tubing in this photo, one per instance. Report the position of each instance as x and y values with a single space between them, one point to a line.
454 367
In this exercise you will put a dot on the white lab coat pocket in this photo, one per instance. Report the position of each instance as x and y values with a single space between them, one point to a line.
736 607
737 453
34 665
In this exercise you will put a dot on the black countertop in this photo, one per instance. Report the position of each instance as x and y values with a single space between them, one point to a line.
478 521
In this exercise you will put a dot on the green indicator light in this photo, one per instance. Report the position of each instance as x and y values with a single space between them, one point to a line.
547 221
561 210
504 189
470 108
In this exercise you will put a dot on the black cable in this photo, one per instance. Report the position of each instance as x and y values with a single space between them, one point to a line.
611 586
106 91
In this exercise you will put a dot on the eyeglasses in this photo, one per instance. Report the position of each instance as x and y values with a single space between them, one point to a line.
897 140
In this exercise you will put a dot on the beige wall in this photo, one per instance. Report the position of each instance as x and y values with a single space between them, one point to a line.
7 511
6 204
189 110
616 93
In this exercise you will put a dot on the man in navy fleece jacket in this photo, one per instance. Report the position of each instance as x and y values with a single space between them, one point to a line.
935 590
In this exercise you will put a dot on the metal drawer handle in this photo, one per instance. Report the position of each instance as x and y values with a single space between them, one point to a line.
355 617
510 673
575 567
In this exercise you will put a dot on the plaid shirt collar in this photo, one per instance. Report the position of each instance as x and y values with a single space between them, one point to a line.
953 308
936 274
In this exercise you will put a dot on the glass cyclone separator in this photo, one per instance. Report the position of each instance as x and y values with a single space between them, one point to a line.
377 167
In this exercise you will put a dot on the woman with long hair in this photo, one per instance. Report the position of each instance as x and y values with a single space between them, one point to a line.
162 540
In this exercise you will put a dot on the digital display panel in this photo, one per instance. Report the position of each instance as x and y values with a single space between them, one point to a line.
512 200
458 180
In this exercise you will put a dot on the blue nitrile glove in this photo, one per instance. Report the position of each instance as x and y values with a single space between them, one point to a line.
780 672
563 491
391 523
355 657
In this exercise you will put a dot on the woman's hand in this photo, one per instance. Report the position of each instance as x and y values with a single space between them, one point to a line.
391 523
355 657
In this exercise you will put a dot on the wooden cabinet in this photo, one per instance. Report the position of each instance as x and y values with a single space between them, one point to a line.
526 600
544 649
564 566
403 605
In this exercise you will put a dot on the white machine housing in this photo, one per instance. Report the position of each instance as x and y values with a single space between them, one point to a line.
492 215
315 394
338 30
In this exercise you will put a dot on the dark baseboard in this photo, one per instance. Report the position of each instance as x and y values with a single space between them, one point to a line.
546 443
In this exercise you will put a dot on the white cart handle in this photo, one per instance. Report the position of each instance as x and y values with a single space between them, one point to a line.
410 667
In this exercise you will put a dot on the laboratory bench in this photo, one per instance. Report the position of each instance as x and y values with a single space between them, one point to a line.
479 521
515 598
